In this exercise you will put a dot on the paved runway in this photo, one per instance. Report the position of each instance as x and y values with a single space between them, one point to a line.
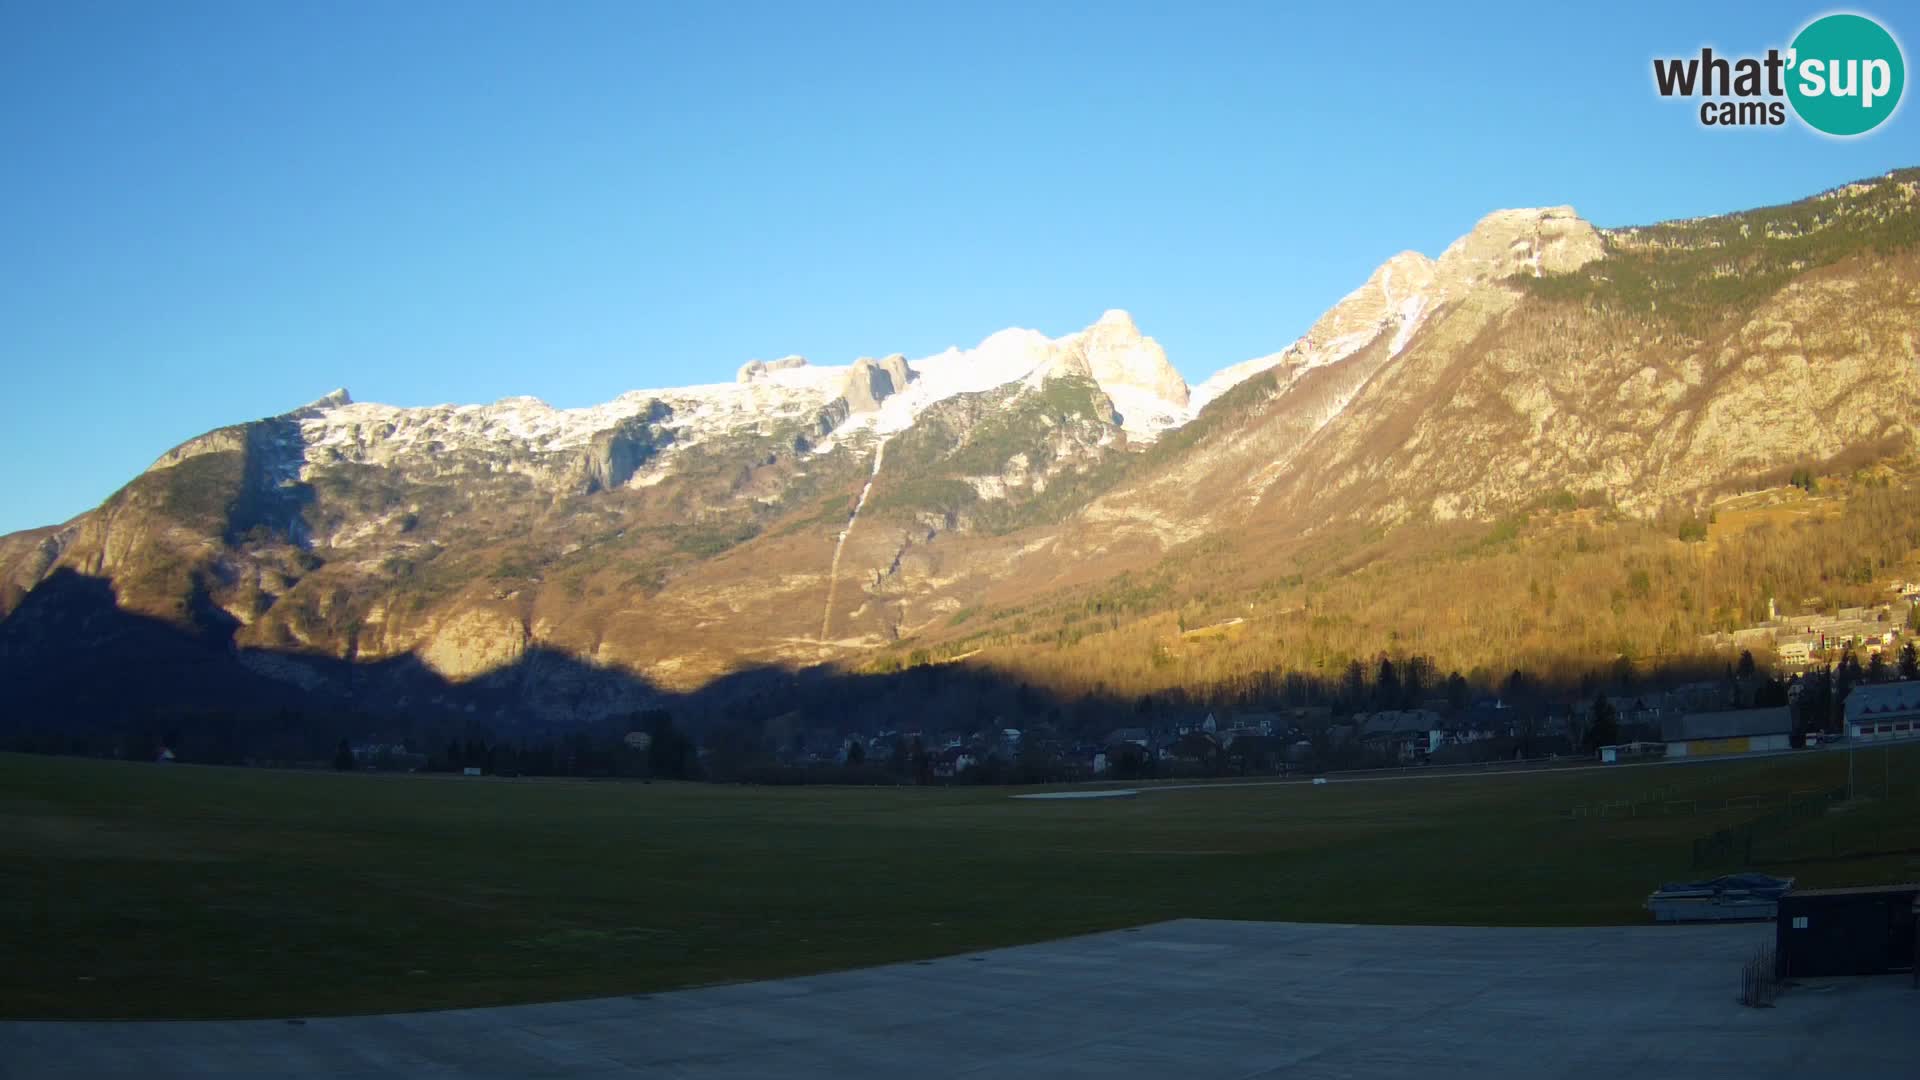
1191 998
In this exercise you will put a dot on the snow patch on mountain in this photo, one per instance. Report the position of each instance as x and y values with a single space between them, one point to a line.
885 397
1130 368
1396 298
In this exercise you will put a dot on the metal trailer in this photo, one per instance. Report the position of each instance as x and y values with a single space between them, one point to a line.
1722 899
1860 931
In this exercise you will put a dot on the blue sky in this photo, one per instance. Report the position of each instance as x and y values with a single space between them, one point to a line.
211 212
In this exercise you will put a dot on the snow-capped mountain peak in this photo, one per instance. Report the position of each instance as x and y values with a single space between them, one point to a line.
881 397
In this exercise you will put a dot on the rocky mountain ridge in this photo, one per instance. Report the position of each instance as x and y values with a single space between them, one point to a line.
804 514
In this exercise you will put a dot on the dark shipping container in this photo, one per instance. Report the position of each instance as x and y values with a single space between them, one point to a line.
1863 931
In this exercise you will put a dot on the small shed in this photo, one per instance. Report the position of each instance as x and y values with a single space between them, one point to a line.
1860 931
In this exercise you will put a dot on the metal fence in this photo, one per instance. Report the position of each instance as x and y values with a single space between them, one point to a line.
1735 842
1641 805
1760 979
1867 822
1668 802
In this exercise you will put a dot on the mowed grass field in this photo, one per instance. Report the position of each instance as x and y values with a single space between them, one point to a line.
133 890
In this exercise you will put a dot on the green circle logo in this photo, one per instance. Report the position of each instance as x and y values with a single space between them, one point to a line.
1846 74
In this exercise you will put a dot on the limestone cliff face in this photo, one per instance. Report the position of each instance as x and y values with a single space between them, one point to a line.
613 456
1828 364
227 440
1553 240
898 372
869 384
474 641
759 369
1121 358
